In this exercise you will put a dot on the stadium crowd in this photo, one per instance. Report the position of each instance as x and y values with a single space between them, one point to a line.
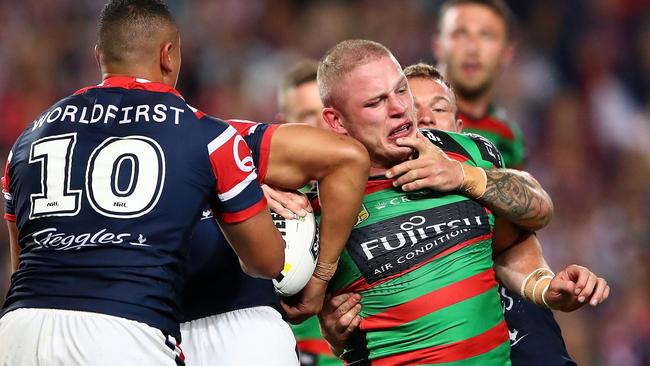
579 88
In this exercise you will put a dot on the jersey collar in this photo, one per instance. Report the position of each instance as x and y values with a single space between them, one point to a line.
131 83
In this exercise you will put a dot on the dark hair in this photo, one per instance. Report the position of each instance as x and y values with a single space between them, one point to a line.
500 7
125 24
301 73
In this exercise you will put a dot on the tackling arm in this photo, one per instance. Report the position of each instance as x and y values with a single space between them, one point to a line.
510 194
300 154
520 266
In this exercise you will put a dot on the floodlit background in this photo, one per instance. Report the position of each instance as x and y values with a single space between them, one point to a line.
579 88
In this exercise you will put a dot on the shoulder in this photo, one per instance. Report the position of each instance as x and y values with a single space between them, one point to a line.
468 145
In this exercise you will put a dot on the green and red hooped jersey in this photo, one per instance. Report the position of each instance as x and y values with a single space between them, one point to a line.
503 132
422 262
312 348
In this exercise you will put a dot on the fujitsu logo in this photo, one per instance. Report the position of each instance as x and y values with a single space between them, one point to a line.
416 230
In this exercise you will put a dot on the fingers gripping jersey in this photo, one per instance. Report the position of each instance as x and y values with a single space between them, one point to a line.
422 262
211 260
106 186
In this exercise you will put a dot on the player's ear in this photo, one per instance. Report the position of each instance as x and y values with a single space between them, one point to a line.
97 56
166 59
334 120
459 125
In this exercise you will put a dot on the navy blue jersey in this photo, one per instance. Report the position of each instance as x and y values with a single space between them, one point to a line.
215 281
105 188
535 336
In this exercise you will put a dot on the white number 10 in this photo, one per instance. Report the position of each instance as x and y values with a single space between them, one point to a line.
141 190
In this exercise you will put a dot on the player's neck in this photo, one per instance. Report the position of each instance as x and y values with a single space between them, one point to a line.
475 107
136 72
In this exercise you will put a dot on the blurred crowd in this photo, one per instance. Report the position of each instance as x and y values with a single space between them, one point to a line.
579 87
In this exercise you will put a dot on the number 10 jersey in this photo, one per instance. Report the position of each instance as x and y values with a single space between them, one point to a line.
105 188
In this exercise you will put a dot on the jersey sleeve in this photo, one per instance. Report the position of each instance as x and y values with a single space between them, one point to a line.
10 214
488 151
258 137
238 193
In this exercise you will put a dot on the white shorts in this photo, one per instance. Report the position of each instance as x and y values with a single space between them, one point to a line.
52 337
253 336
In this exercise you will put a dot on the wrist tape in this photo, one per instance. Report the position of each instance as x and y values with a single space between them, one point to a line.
535 286
325 271
474 181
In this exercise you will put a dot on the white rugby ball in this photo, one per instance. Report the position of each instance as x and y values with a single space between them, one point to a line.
301 248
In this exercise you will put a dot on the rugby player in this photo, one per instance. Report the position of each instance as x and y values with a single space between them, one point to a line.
473 44
299 102
102 191
220 327
298 99
423 259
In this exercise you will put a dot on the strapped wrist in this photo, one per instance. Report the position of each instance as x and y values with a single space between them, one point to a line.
535 286
325 271
474 181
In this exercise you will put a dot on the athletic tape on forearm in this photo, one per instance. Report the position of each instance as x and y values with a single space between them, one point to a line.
474 181
325 271
535 286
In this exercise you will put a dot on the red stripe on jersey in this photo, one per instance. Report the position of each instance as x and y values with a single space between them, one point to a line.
433 301
10 217
244 214
6 178
451 352
376 185
129 82
372 186
456 156
489 124
361 284
231 161
199 114
314 346
242 126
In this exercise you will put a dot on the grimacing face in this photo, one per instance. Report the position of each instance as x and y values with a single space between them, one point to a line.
434 103
303 105
472 48
376 108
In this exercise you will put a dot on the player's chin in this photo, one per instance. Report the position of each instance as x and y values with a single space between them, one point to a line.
400 154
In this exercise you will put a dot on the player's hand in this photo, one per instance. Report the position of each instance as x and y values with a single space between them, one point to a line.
339 317
307 302
286 203
431 169
575 287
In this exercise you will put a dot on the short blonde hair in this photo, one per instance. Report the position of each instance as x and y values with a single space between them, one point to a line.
343 58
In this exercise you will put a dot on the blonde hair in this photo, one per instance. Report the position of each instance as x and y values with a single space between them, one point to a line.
343 58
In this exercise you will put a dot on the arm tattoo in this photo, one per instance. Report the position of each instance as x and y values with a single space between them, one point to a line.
517 197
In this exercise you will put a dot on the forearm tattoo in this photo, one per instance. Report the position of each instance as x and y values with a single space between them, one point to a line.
517 197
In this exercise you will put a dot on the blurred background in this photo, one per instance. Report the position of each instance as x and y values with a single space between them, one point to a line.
579 87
